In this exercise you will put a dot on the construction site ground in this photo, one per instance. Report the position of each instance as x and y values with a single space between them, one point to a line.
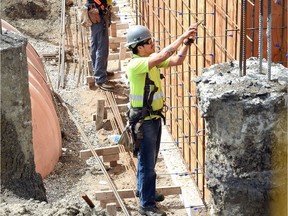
74 176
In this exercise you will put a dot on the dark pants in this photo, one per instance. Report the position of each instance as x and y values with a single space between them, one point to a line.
149 149
100 49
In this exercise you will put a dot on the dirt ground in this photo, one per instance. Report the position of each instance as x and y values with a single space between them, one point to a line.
40 22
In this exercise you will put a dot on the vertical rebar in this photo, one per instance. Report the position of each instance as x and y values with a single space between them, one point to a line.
253 26
137 12
214 32
241 38
260 48
269 47
244 37
236 35
226 27
283 34
1 26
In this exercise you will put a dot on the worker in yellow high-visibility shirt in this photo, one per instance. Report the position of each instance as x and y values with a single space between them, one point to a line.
99 49
147 103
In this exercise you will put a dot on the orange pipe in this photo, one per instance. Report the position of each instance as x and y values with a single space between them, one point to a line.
47 142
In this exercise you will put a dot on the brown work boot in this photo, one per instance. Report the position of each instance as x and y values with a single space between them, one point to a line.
110 73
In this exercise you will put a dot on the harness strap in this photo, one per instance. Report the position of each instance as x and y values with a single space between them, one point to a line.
148 95
101 4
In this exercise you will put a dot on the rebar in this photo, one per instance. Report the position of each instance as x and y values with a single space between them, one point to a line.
260 48
269 25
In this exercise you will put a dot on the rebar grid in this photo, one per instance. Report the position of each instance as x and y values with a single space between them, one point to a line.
167 19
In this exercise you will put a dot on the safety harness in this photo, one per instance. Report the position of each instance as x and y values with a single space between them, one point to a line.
101 4
137 115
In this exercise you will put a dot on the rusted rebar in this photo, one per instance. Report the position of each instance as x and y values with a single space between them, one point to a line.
244 37
260 46
87 200
1 26
269 47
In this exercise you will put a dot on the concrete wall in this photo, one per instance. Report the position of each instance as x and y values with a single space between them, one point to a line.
246 150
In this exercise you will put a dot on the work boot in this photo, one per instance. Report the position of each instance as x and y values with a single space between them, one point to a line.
151 211
158 196
105 86
110 73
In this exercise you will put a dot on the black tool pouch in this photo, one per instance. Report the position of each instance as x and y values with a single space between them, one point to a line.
138 134
136 120
134 115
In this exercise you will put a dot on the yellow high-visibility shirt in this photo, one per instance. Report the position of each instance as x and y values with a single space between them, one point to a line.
136 72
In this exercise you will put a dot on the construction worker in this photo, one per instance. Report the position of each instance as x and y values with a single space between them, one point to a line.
99 49
147 102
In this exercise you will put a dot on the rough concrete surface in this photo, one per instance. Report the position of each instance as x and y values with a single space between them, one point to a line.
246 125
17 158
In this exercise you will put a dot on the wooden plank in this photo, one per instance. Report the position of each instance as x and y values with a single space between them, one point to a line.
122 26
121 107
122 53
112 157
85 154
49 55
113 163
111 209
90 68
129 193
114 46
100 103
117 40
90 81
113 29
115 56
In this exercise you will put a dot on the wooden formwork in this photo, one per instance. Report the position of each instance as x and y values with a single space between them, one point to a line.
218 41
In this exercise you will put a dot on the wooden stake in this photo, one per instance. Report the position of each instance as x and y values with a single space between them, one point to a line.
100 104
113 29
88 200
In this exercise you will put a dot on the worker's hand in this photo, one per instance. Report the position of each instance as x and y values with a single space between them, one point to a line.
195 25
191 32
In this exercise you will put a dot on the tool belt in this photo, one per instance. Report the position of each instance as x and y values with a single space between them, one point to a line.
96 11
94 14
136 119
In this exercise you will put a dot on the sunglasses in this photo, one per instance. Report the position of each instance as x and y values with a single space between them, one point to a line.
148 41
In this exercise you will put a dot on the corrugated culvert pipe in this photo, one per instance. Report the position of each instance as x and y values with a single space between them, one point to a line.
47 143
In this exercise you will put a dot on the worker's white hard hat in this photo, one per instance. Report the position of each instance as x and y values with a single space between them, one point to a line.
137 34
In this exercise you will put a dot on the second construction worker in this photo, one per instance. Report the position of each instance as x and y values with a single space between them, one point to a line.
99 14
146 105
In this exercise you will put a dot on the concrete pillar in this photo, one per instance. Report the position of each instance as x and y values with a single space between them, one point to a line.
246 129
